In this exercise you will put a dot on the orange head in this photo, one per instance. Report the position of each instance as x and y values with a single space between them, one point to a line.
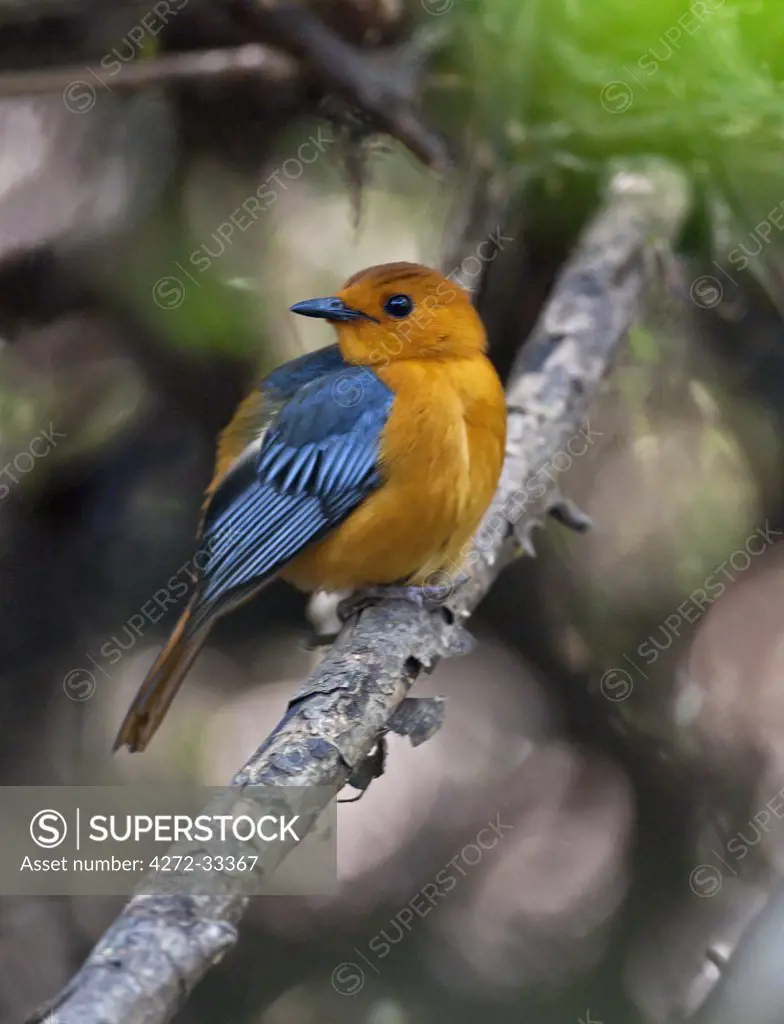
400 311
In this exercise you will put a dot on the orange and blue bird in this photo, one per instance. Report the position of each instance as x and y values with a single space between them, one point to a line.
368 464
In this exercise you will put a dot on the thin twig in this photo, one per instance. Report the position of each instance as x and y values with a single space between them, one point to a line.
383 85
253 60
160 947
385 89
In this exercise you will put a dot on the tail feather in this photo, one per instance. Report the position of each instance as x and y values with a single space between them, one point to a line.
160 685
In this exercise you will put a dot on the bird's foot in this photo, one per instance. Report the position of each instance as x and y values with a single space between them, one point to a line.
427 596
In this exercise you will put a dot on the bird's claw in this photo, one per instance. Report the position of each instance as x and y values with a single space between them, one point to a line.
428 597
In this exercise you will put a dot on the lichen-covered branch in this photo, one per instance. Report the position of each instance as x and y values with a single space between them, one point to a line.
159 947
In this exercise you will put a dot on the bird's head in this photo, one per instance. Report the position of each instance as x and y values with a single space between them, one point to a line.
400 311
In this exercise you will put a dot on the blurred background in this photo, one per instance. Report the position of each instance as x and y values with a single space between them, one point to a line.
173 176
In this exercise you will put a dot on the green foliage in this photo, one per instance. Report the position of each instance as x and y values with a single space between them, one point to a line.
582 80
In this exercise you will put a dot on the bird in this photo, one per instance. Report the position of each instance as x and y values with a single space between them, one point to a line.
364 466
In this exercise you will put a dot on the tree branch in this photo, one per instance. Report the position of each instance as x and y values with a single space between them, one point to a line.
254 60
159 948
383 85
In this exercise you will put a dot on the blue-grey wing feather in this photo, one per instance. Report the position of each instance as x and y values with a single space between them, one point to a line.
318 460
287 379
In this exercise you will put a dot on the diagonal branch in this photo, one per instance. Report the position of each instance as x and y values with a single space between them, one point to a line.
384 89
154 954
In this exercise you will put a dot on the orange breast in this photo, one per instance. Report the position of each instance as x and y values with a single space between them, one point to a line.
442 450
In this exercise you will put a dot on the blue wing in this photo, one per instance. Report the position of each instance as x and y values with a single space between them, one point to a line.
318 460
287 379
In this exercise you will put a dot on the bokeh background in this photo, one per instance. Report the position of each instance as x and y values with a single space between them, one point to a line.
622 716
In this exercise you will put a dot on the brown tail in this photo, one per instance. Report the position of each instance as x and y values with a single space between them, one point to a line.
160 686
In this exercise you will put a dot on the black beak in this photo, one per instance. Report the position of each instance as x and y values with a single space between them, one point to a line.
329 309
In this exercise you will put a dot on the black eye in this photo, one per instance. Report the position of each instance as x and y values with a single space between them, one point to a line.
398 306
